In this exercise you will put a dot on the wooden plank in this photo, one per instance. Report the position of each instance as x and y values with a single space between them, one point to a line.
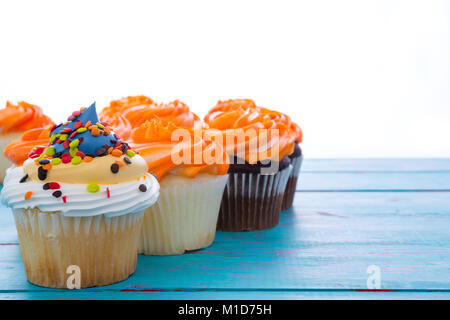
373 181
378 165
101 294
326 242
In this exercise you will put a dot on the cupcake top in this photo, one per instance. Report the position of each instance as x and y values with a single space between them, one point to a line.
17 151
22 117
85 169
139 109
255 130
168 148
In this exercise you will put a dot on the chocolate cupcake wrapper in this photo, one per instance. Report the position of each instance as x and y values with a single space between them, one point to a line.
291 185
252 201
184 217
104 249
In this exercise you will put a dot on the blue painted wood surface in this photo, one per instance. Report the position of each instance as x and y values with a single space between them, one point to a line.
348 215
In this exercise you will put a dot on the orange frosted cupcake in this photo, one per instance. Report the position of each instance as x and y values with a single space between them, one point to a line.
192 173
14 121
259 143
296 157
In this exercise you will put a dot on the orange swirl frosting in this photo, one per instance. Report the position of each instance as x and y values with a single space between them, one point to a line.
22 117
139 109
114 118
17 151
237 116
158 141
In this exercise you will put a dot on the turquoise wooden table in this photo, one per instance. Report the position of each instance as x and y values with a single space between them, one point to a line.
393 215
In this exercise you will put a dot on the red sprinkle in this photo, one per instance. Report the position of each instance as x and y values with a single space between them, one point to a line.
76 113
54 185
108 194
64 199
66 130
77 125
80 154
58 141
73 134
66 144
66 159
35 153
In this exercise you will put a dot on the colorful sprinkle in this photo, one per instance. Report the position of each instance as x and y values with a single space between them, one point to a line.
57 194
93 187
78 124
53 138
131 153
24 178
42 173
76 160
50 151
47 166
100 125
127 160
56 161
108 193
100 152
64 199
36 152
28 195
114 168
46 186
54 185
74 143
88 158
116 153
120 163
63 137
80 154
81 130
143 188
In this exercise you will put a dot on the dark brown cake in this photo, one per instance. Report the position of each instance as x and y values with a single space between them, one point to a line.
251 200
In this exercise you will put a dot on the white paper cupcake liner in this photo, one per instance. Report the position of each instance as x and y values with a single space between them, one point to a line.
104 249
291 185
252 201
185 215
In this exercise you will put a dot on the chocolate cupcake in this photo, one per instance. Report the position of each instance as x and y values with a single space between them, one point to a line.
259 165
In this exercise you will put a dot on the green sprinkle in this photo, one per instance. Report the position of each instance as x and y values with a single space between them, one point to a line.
100 125
81 130
56 161
93 187
63 137
74 143
131 153
50 151
73 151
53 138
76 160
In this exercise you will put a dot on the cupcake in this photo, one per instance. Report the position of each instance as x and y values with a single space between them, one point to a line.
259 164
80 202
14 121
185 215
139 109
295 157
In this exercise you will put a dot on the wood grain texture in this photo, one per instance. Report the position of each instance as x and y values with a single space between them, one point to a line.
321 248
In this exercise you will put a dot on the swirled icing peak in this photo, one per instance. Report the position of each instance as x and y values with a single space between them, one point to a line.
17 151
168 148
139 109
242 116
22 117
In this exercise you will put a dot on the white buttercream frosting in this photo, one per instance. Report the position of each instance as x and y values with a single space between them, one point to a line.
125 197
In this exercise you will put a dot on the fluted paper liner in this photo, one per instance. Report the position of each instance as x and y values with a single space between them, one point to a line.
105 249
252 201
291 186
184 217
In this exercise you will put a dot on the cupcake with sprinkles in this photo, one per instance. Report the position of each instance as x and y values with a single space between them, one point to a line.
80 201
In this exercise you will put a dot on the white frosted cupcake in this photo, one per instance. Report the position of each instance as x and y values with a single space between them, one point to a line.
79 204
14 121
185 215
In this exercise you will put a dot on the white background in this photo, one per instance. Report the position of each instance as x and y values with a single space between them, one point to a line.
362 78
